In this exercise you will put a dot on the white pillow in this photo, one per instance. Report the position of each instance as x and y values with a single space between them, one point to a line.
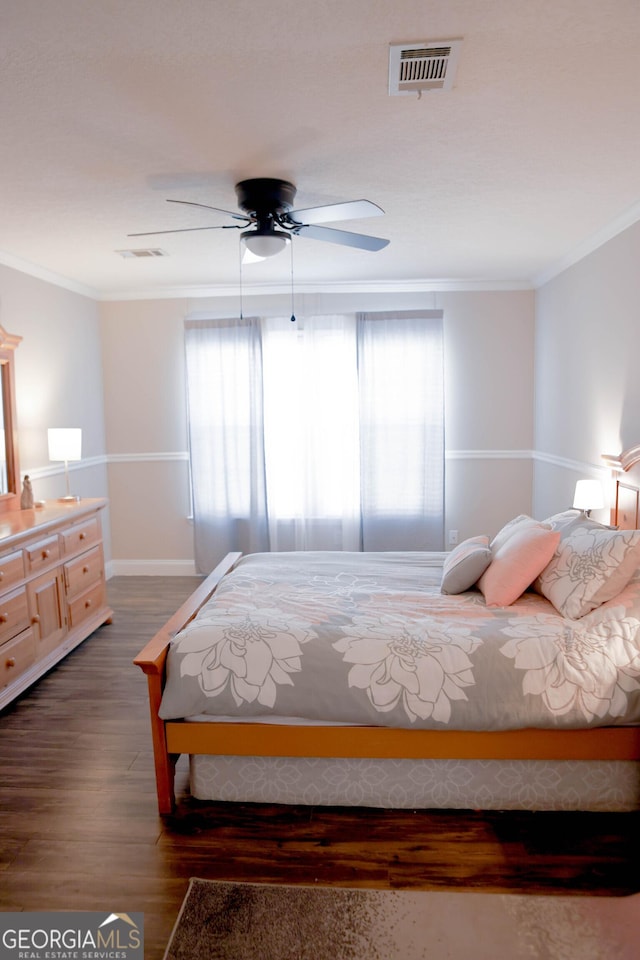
465 564
591 565
568 520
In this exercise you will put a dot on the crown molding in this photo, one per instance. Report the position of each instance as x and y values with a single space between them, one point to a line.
592 243
342 287
40 273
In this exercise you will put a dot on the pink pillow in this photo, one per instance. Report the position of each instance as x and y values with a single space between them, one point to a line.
516 564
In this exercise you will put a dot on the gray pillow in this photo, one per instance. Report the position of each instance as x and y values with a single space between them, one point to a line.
465 565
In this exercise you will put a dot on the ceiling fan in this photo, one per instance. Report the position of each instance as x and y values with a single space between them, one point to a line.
267 205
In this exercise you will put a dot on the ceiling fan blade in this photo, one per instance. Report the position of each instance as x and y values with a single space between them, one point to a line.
205 206
345 237
350 210
224 226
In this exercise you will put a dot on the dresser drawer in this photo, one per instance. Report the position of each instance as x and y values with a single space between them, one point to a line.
81 535
83 571
40 555
11 570
14 614
86 605
16 656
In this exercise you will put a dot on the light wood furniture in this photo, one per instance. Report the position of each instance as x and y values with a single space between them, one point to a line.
174 737
52 580
52 588
9 465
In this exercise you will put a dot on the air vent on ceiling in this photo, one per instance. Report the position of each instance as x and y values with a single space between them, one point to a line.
414 67
147 252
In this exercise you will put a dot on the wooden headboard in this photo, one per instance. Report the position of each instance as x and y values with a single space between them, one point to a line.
625 507
624 511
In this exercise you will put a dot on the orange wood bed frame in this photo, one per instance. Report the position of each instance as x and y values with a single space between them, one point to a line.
174 737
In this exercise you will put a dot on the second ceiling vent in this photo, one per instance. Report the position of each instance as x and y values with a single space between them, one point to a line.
414 67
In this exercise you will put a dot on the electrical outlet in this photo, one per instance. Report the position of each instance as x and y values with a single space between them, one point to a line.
453 537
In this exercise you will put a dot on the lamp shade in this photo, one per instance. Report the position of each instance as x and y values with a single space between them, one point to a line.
65 443
588 495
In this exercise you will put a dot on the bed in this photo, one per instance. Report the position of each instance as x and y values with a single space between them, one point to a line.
503 675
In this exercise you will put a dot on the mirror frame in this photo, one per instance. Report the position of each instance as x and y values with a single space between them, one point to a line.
8 344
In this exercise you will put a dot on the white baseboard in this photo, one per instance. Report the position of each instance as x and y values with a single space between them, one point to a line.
150 568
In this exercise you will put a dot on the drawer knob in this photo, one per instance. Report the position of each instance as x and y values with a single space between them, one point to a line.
35 618
45 554
83 536
87 604
11 662
85 569
4 617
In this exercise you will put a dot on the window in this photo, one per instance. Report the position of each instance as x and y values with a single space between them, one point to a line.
324 434
311 435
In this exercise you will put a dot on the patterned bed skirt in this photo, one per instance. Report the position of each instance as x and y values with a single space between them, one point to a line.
427 784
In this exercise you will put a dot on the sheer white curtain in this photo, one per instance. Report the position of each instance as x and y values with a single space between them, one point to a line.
224 394
401 382
311 433
326 434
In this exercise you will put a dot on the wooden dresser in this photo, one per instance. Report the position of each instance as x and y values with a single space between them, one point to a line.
52 588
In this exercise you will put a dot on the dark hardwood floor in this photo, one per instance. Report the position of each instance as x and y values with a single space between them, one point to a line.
79 828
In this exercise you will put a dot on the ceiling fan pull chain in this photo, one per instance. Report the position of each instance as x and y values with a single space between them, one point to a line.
240 268
293 316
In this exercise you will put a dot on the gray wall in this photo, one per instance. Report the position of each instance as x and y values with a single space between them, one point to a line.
587 390
489 341
58 382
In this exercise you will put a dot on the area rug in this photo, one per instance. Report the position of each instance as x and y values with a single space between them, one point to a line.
245 921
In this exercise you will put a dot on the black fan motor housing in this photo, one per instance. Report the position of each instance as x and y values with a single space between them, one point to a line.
263 196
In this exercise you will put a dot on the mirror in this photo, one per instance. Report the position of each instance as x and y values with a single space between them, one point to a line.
4 483
9 468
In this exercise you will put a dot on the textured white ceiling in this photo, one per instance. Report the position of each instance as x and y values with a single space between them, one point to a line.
108 107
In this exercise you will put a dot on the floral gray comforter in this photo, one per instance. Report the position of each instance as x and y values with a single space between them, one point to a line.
369 639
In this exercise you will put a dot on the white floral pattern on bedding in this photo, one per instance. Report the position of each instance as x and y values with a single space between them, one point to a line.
415 662
248 657
369 639
589 670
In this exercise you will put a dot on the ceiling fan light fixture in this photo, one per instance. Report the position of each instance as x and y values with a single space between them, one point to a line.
265 243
